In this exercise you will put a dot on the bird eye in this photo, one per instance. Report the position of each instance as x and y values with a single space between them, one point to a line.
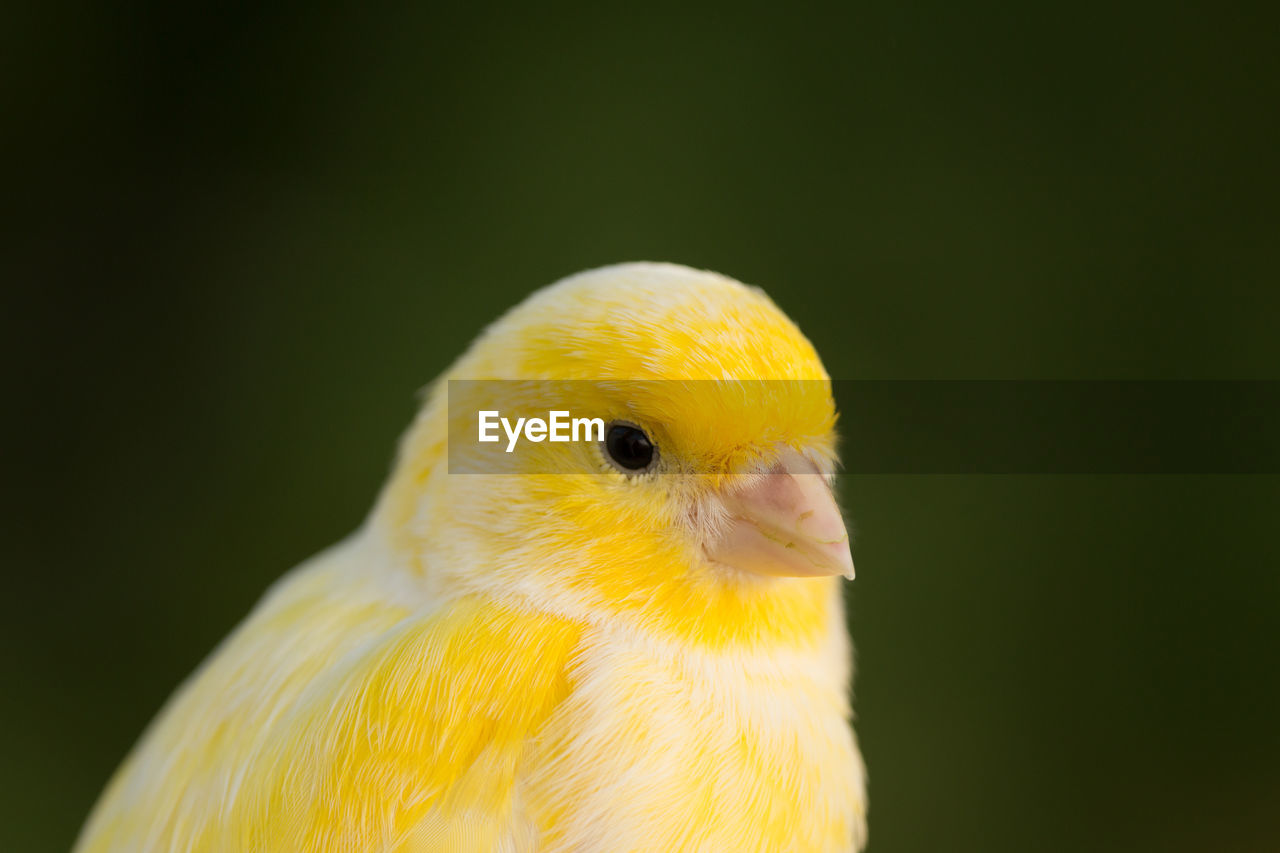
628 447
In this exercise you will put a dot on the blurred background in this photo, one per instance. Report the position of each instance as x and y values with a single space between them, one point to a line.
242 236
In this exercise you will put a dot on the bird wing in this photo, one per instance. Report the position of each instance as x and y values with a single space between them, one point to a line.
421 748
331 720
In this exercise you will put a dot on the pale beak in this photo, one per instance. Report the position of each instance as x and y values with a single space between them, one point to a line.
785 523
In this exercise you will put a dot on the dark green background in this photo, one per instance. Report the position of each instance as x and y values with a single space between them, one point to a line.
245 234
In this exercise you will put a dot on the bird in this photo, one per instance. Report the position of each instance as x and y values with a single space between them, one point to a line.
635 642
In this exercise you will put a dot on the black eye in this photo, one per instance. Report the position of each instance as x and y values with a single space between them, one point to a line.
628 447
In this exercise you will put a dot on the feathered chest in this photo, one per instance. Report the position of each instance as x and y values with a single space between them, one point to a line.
658 750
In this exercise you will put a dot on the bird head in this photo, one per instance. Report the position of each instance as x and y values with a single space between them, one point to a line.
702 506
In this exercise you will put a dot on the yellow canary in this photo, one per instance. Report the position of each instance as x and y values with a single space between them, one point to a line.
634 642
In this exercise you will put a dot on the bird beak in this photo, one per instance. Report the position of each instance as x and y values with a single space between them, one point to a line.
785 524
